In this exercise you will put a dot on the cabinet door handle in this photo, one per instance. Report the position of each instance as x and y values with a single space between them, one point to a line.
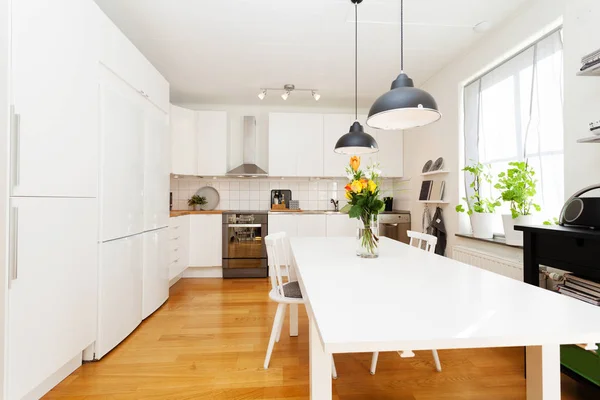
175 238
15 139
14 248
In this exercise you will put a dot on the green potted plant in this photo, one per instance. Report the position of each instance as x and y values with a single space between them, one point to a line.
480 209
196 202
518 187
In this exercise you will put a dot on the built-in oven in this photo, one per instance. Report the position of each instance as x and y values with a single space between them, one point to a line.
244 251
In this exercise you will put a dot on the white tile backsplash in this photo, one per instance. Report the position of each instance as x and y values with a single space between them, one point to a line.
255 194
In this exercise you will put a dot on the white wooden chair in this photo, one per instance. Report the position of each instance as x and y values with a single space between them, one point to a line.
425 242
283 292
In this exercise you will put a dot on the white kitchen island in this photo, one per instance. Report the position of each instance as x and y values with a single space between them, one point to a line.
408 299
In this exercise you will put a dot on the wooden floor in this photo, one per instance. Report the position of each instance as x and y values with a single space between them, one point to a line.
209 341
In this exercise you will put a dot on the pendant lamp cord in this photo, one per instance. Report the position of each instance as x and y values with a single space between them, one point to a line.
402 35
356 61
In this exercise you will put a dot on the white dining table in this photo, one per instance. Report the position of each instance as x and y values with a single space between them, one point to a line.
408 299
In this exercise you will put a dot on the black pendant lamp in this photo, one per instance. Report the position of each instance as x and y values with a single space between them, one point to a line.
357 141
404 106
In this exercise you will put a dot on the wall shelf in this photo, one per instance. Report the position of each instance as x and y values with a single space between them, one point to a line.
594 71
440 172
591 139
434 202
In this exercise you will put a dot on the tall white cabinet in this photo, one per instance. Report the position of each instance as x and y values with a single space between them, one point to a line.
134 187
53 166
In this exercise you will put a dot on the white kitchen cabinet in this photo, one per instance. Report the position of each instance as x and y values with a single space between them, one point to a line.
54 88
282 145
123 122
211 131
391 153
156 169
334 127
295 144
120 291
52 297
206 240
312 225
308 133
155 286
125 60
287 223
179 247
341 225
184 160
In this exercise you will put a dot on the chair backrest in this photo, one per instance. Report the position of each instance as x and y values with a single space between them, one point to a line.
421 239
278 259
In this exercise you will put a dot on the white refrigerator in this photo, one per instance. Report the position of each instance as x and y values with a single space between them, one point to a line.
134 211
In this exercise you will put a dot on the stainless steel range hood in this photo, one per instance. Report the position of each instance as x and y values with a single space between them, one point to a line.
249 167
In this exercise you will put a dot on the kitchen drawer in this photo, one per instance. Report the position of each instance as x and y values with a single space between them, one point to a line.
175 232
576 251
174 253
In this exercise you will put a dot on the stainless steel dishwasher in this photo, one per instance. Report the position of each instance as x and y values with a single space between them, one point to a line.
394 225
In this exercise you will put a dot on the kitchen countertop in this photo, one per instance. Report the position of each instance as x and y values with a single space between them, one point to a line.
179 213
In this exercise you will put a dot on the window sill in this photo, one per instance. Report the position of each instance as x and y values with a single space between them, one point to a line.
496 240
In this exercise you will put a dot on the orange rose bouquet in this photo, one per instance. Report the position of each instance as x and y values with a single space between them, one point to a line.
362 193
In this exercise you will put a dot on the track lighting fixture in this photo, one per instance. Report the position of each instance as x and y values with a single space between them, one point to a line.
287 90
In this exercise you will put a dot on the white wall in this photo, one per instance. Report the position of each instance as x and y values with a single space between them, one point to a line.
236 114
443 139
582 95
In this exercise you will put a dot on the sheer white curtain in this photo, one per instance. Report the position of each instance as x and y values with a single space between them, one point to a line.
515 113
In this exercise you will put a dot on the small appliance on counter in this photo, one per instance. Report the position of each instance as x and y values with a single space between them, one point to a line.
580 211
389 203
280 199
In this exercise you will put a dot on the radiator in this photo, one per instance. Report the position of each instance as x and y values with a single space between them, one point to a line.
490 262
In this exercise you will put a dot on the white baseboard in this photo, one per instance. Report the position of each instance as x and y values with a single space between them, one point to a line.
209 272
54 379
175 279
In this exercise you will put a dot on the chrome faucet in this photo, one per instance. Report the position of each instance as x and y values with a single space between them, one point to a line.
336 204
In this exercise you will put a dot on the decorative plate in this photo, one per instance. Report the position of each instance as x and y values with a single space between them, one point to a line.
212 197
427 166
438 164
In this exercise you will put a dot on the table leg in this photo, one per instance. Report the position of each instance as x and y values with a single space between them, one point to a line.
320 366
543 372
293 319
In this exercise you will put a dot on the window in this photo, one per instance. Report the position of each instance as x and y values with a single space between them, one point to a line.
515 113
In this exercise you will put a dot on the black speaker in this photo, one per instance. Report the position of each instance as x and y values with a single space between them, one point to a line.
582 211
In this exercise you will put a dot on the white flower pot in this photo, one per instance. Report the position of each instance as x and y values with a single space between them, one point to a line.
515 238
482 224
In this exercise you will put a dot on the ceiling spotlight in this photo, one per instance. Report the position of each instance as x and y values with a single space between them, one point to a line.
285 95
316 95
262 94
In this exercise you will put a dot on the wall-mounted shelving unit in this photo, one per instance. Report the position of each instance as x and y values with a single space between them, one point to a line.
434 202
594 71
591 139
440 172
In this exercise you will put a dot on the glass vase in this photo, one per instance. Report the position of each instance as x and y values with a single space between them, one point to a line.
367 236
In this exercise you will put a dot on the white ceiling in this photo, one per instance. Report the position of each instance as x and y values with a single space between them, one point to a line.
224 51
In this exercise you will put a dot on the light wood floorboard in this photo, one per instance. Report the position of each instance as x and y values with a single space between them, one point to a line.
209 341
